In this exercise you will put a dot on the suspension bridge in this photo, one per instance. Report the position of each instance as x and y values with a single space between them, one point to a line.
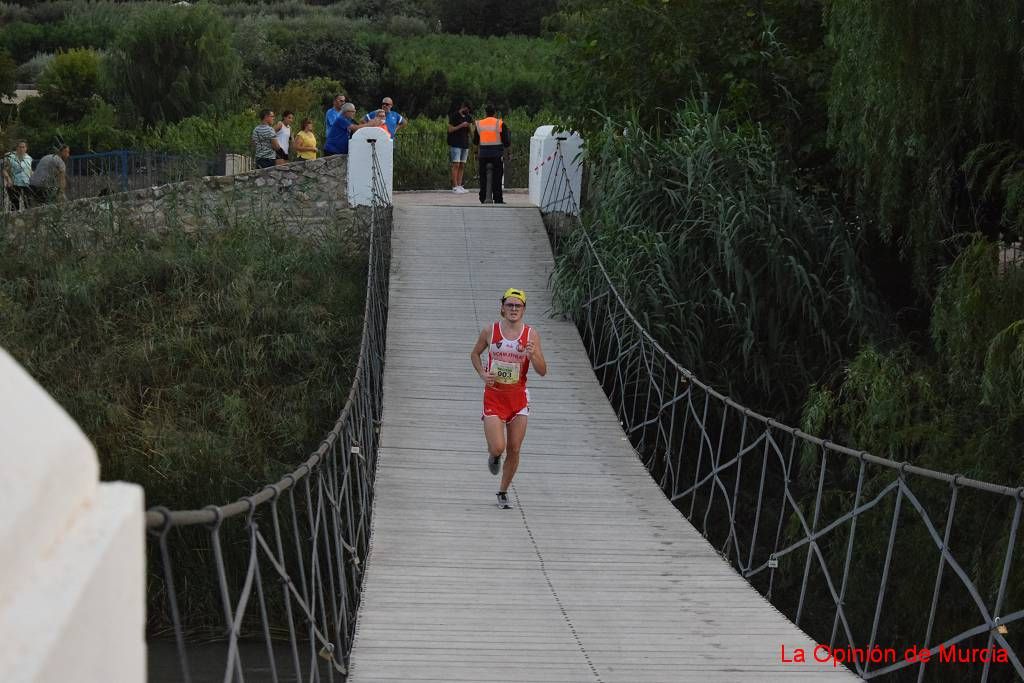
594 576
661 531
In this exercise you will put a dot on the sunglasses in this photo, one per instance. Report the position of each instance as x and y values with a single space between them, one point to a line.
515 307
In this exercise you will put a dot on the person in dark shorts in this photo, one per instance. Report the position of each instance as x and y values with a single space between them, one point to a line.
460 120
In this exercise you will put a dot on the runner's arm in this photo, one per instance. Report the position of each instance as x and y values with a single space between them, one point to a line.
536 354
474 357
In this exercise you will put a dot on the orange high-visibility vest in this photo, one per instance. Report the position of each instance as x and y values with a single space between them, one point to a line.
489 130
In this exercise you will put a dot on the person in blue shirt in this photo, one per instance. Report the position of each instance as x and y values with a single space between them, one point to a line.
331 120
341 128
392 118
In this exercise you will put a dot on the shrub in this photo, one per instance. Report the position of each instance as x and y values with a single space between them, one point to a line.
425 73
30 71
295 96
323 50
69 82
325 89
406 27
203 135
170 62
740 277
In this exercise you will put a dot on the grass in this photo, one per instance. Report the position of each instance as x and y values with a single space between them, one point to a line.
202 365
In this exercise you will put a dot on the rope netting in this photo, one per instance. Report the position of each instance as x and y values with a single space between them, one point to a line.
284 566
864 553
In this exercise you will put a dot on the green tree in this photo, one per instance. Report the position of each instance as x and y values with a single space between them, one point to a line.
916 86
757 59
169 62
68 83
322 50
7 74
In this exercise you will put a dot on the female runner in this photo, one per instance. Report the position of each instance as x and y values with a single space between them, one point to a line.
512 346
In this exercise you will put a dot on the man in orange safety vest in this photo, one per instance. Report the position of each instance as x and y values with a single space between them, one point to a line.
493 138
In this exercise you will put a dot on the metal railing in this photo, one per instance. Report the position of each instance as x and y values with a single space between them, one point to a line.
287 561
861 551
95 174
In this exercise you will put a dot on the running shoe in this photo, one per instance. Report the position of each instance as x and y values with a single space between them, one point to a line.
461 190
503 502
493 463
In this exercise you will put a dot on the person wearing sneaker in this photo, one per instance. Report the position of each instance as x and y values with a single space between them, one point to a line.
512 347
459 121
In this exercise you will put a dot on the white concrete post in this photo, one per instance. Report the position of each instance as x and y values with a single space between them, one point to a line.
547 185
360 164
73 567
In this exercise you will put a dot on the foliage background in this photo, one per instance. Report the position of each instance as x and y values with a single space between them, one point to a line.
810 202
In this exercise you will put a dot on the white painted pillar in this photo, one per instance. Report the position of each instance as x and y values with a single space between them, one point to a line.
549 149
73 564
360 165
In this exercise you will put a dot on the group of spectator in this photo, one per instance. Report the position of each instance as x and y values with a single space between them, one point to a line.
273 142
27 185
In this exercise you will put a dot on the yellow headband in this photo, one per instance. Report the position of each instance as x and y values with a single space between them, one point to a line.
513 292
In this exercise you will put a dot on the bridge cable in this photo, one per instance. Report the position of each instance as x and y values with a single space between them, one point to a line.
680 425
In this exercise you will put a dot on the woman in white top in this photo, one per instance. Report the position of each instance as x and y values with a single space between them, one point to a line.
17 169
284 136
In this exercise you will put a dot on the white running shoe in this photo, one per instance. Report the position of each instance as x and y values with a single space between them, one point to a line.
460 190
503 502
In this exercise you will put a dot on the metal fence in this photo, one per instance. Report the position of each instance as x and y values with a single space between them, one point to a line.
283 566
864 553
95 174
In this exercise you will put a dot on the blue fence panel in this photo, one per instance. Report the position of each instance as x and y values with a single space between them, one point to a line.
101 173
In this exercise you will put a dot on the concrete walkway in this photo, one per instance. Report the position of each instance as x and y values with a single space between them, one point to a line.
594 576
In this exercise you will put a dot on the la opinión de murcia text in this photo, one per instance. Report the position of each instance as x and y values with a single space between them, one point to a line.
942 654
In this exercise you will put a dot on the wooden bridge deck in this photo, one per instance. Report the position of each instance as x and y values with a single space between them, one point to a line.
594 576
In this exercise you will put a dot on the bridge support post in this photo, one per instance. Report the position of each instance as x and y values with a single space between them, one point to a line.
72 576
556 170
362 176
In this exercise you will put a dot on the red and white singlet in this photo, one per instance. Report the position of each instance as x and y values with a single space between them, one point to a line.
507 358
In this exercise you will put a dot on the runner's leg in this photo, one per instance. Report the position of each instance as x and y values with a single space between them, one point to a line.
516 433
494 432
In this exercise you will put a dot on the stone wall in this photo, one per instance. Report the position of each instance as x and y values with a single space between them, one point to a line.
303 194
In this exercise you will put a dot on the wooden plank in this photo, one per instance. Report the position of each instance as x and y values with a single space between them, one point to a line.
594 576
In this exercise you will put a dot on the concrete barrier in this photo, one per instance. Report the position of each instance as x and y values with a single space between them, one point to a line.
72 579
